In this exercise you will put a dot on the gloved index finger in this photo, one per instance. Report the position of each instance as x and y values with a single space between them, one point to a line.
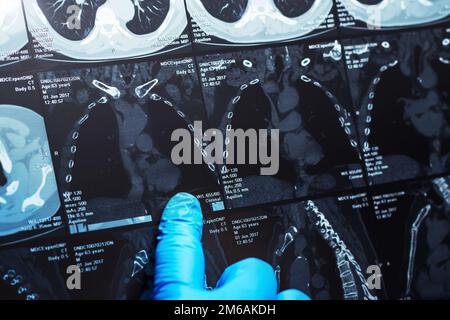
179 252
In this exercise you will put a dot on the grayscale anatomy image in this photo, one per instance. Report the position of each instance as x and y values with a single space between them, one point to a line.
415 258
399 85
112 266
229 22
299 90
319 246
390 14
110 129
105 29
29 200
13 33
120 267
33 272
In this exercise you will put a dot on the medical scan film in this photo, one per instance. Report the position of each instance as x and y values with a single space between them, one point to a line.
331 156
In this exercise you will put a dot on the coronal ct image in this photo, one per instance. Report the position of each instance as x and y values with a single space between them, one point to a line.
382 14
314 133
113 266
415 257
28 191
258 21
399 85
131 111
299 90
34 272
106 29
13 32
319 247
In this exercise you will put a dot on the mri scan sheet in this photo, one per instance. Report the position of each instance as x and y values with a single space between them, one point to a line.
228 23
13 33
130 110
317 246
97 30
399 85
299 90
415 256
372 15
29 199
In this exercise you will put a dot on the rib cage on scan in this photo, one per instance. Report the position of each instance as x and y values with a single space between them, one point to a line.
294 89
364 142
403 130
257 21
107 29
127 180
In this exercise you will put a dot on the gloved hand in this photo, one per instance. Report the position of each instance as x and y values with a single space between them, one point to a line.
180 263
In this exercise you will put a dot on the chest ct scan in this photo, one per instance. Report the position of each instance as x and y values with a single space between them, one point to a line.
105 29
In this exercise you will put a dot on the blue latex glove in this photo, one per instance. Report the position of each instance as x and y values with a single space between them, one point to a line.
180 263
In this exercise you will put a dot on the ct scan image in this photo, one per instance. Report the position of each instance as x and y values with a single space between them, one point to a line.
13 33
399 85
415 257
226 23
358 16
338 174
29 197
317 246
299 90
99 30
110 129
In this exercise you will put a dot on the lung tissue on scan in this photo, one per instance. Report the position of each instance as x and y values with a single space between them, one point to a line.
226 10
293 8
63 16
2 176
149 15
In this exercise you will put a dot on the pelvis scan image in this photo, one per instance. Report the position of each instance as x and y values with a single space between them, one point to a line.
105 29
28 189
